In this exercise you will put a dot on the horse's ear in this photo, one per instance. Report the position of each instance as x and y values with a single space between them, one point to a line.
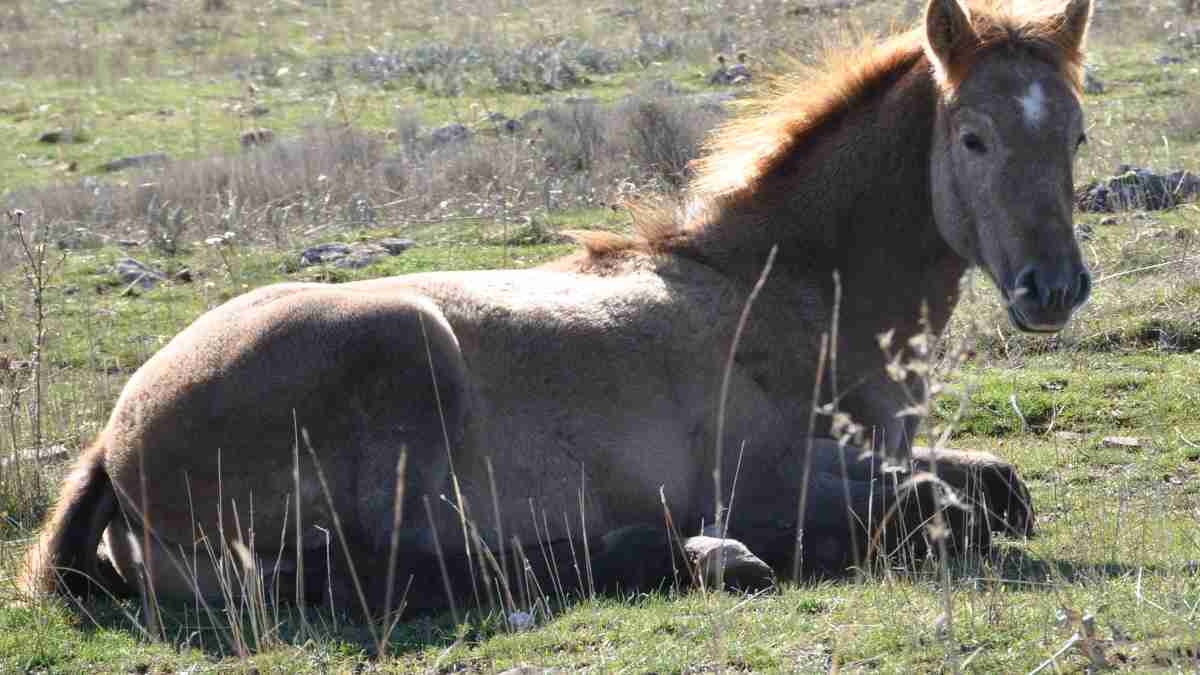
947 27
1076 17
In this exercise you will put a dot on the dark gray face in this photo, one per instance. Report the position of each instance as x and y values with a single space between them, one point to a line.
1002 184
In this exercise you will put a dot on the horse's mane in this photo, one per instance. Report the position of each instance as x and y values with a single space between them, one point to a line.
774 122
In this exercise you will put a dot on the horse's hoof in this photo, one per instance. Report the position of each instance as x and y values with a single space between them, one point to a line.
728 563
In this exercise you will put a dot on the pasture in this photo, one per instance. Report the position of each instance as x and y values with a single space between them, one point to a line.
611 102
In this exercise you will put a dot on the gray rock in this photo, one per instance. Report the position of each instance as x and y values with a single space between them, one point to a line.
1091 83
79 239
353 256
451 133
531 670
55 136
1137 188
505 123
742 569
55 454
324 253
135 162
1167 60
360 256
136 274
396 246
254 138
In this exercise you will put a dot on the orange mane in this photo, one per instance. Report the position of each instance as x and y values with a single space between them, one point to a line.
772 125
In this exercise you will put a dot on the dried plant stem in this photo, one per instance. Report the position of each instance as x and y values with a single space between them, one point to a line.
723 398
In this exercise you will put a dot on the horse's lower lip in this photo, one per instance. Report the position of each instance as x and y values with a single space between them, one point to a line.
1022 324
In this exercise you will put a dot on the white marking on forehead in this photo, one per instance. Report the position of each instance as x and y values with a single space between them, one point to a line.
1033 104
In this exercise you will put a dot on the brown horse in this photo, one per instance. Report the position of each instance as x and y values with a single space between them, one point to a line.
901 166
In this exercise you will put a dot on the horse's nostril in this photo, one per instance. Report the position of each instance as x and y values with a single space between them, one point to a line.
1027 286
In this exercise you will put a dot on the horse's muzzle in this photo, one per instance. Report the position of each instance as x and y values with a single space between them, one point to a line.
1043 298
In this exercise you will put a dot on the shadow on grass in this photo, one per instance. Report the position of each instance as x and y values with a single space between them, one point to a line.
1016 569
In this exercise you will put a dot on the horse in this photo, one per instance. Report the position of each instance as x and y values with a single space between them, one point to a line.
621 379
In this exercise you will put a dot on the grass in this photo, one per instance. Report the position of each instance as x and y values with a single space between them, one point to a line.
1118 535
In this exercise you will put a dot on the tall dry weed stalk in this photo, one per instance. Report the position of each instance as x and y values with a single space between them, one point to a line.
38 269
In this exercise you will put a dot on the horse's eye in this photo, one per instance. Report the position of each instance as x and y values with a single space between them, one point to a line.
974 143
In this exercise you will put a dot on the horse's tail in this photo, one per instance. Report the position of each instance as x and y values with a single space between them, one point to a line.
64 558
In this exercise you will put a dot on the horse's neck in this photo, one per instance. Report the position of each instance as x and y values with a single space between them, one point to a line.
854 198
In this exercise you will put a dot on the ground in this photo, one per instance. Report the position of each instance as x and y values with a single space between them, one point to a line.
1100 420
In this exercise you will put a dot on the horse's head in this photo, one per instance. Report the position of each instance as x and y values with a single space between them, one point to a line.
1008 127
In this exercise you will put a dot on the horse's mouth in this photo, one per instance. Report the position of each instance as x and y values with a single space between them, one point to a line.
1025 326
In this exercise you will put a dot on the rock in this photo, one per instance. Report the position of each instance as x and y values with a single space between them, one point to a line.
1068 435
1167 60
324 253
55 136
1091 83
1083 231
502 122
1184 184
184 276
135 162
353 256
451 133
742 569
396 246
1109 220
128 243
1137 188
726 74
360 256
531 670
54 454
255 138
1121 442
136 274
79 239
1188 38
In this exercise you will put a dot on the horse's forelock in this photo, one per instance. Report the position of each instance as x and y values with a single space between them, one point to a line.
1039 29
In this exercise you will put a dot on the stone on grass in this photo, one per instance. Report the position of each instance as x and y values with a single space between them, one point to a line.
1136 188
136 274
353 256
135 162
396 246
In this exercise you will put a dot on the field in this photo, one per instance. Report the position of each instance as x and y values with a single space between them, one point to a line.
479 131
